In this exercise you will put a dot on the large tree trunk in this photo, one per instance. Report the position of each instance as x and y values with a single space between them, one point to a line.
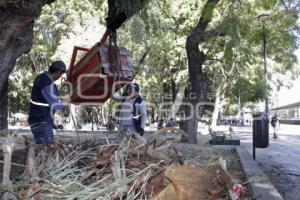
16 37
3 106
198 81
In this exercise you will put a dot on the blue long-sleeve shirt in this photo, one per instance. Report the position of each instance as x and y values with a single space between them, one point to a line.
50 93
44 99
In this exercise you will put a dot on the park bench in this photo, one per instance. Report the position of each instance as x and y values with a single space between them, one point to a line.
218 138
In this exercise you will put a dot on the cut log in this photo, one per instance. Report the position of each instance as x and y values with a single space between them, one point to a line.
195 183
156 181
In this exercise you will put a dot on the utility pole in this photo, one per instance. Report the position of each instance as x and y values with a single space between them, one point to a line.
261 125
263 18
265 68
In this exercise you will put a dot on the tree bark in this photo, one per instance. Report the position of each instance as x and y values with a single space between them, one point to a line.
173 88
3 106
177 102
198 81
16 38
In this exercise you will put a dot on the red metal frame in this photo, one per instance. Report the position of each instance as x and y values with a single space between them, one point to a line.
73 59
76 49
91 85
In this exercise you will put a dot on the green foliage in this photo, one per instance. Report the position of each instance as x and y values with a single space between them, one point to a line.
267 4
246 90
231 109
158 33
19 87
237 58
56 21
162 28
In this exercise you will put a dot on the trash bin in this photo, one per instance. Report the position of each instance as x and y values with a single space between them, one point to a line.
260 130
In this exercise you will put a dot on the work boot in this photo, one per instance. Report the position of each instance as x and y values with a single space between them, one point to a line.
275 136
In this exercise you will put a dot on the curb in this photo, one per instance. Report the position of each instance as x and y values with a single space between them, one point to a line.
259 184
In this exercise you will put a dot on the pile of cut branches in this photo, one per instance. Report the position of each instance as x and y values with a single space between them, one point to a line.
132 170
138 168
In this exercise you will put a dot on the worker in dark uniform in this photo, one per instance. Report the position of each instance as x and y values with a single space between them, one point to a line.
132 111
44 102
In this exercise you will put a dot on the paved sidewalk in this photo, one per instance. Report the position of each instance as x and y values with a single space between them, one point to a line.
281 160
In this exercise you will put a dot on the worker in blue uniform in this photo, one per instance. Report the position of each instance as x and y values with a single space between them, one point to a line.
44 102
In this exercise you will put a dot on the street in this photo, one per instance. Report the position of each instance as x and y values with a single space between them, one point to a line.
281 160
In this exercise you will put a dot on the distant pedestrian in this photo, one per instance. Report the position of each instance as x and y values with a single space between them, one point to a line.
274 123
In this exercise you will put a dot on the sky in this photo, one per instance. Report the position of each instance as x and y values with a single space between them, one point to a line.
292 95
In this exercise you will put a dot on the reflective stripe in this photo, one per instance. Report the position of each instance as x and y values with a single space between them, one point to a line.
136 117
38 103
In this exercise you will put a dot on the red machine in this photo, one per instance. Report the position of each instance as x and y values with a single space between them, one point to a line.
94 79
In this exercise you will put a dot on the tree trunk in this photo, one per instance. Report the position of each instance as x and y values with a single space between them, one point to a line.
16 37
215 115
105 114
177 102
75 115
173 88
152 115
198 83
3 106
219 102
189 126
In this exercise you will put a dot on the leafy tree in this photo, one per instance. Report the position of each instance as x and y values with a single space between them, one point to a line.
238 55
19 89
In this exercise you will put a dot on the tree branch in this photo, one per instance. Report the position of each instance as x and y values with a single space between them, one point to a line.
199 30
143 58
212 34
195 56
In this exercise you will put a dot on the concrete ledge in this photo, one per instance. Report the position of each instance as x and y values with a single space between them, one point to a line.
259 186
